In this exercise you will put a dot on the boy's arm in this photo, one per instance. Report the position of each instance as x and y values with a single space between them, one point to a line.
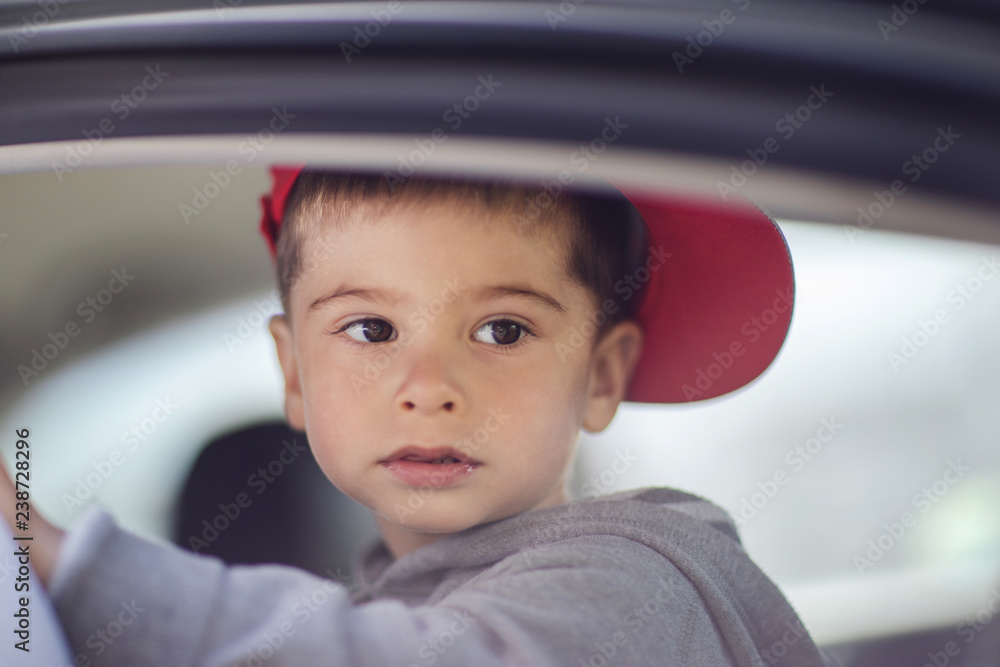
133 602
569 602
167 607
47 538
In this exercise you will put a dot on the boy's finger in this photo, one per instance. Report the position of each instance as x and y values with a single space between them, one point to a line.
47 537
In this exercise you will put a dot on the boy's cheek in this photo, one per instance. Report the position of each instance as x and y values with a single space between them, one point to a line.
325 371
341 456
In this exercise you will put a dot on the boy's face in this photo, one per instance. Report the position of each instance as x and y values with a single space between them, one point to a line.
442 331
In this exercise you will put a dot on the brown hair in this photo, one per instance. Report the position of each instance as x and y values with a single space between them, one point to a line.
600 236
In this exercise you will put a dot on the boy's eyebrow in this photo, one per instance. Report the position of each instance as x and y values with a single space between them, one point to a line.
495 291
370 293
393 298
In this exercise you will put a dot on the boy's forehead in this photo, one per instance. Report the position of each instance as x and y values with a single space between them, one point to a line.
449 221
456 203
422 241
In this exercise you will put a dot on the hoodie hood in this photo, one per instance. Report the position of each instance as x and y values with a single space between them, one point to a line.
757 623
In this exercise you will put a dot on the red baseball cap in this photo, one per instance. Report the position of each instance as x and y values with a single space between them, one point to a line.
716 307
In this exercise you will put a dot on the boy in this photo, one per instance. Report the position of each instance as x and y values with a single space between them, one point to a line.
442 346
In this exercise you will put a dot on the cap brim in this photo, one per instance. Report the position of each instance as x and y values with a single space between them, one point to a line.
717 302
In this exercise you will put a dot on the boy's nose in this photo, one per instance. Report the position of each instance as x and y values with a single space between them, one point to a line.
430 387
447 406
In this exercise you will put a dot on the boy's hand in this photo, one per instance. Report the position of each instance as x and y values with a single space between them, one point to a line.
44 548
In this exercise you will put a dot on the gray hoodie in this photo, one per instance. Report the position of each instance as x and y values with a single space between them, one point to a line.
644 577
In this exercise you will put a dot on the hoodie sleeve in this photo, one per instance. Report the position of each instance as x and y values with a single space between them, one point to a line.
597 599
123 600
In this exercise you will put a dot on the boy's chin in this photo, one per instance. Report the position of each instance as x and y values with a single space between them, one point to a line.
438 519
453 513
437 516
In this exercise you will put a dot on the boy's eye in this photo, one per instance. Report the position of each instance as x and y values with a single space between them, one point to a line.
500 332
370 331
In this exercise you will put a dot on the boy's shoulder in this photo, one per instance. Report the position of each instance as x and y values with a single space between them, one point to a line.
663 519
676 555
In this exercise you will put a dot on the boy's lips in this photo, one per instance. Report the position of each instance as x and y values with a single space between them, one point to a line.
429 466
439 455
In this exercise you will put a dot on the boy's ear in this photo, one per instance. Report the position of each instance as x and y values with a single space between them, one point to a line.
294 405
612 364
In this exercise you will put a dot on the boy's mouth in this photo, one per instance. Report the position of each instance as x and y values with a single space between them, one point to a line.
436 455
430 467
